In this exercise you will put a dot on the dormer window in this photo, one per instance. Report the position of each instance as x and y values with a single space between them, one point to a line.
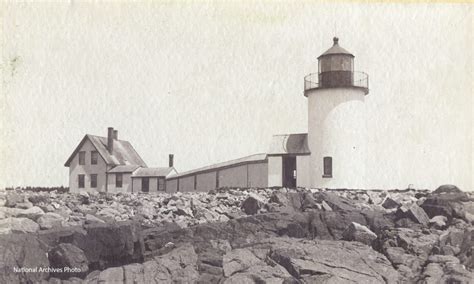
82 158
94 157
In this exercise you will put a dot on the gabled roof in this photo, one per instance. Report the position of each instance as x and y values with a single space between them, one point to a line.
153 172
124 169
336 49
122 154
289 144
248 159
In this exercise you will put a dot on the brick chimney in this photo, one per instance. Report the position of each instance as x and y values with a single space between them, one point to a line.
110 139
115 134
170 160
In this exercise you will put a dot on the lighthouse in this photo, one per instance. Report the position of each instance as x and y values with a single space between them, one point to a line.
337 133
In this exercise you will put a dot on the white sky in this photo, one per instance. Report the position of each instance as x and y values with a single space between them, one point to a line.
213 82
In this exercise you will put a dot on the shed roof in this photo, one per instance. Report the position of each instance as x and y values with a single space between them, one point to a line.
289 144
153 172
122 154
248 159
124 169
336 49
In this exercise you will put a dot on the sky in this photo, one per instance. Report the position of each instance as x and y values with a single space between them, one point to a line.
210 82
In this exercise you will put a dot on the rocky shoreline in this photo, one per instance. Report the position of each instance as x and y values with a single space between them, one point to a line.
272 235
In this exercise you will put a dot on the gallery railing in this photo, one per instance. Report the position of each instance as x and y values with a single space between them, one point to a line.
336 79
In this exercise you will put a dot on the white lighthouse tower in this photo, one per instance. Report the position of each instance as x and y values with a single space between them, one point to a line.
336 121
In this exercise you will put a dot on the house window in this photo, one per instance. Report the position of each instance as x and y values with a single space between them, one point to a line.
93 180
118 180
145 184
80 179
94 156
82 158
161 184
327 167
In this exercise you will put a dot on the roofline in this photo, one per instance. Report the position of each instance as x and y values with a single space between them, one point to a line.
289 154
83 140
131 171
170 168
138 155
197 171
147 176
68 162
338 53
290 134
131 146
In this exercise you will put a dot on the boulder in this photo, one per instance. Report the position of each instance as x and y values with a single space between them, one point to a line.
336 222
22 251
92 278
133 273
83 198
18 225
467 248
239 260
308 202
147 211
438 222
24 205
11 212
408 265
39 199
91 219
252 204
414 212
110 244
50 220
359 233
446 269
279 197
378 221
390 203
413 242
32 213
332 261
450 205
469 218
447 188
337 203
372 197
177 266
325 206
70 259
109 213
261 273
111 275
12 199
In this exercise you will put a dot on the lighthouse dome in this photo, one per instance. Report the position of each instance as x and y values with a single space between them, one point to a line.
336 49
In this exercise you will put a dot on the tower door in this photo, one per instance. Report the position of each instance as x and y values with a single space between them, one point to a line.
289 171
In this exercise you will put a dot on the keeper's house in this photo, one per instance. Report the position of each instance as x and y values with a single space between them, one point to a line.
107 164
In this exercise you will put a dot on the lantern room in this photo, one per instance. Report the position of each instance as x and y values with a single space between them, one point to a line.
335 67
336 70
